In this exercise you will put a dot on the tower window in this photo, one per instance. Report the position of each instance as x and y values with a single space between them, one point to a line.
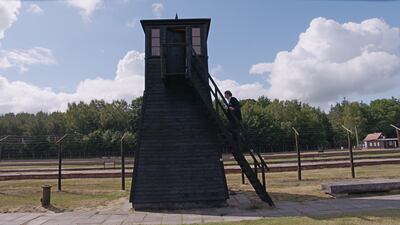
196 40
155 42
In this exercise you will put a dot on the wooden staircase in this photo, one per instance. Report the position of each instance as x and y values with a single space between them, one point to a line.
201 79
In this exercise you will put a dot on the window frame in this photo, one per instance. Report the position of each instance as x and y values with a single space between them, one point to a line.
155 42
198 49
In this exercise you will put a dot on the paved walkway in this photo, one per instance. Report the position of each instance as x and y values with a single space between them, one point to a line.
232 213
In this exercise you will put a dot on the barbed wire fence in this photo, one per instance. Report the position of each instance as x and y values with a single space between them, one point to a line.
107 144
75 146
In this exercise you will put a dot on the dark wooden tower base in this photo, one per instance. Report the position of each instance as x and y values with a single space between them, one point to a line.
178 162
180 205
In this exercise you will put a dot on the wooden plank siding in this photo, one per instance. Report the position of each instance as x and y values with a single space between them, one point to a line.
179 153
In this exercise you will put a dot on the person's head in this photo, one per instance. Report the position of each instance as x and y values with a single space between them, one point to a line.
228 94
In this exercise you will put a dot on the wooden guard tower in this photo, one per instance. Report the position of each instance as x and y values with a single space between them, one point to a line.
178 160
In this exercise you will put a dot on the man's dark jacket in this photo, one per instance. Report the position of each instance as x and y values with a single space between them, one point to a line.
233 102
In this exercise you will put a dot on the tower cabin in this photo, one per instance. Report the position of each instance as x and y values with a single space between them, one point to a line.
177 161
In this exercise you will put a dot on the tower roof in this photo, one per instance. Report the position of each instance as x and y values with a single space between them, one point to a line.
164 22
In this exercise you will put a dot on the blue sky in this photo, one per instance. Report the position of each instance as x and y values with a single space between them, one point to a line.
85 45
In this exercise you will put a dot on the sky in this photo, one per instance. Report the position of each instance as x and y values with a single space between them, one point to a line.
317 51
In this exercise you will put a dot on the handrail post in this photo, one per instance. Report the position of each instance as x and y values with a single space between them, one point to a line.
262 161
255 162
263 177
188 61
162 66
255 169
349 132
263 167
216 101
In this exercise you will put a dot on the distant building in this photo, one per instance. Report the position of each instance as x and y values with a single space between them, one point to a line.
378 140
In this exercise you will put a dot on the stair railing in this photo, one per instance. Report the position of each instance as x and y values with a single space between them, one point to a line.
259 163
217 94
218 97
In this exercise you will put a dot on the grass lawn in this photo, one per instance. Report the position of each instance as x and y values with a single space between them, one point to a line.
24 195
284 186
387 217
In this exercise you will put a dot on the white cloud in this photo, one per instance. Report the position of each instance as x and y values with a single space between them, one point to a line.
87 7
157 9
333 60
19 96
216 70
242 91
261 68
35 9
133 23
8 15
131 65
25 58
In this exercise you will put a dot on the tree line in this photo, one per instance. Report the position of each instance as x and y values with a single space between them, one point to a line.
267 124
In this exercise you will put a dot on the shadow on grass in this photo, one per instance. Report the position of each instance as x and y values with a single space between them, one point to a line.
77 193
280 197
12 194
54 209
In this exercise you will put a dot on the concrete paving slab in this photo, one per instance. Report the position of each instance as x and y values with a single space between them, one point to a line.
92 219
171 219
210 219
188 218
152 218
6 217
310 208
112 219
135 218
39 220
28 217
58 222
